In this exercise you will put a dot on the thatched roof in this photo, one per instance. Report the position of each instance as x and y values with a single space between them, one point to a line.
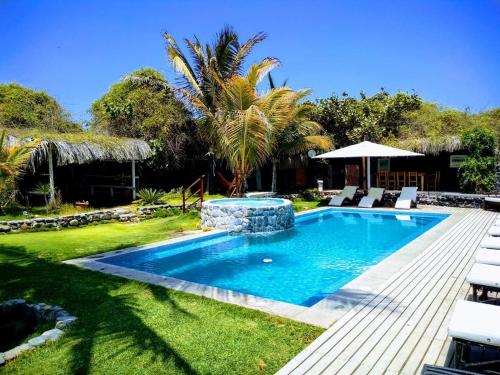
429 146
79 147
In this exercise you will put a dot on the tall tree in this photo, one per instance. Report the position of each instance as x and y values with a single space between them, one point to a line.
299 134
150 112
350 120
245 124
211 64
22 107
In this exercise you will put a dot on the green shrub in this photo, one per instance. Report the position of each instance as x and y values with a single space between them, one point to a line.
167 212
150 196
479 142
477 173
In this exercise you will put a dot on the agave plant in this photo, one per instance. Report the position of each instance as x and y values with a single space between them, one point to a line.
150 196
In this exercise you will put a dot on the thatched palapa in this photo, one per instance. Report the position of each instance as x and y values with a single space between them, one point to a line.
430 146
79 147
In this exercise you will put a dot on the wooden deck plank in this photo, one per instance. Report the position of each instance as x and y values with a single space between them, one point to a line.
395 323
403 325
409 355
351 320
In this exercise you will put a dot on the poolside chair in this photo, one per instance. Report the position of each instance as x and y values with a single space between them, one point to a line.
347 194
484 278
374 195
407 198
474 324
440 370
494 231
488 256
491 243
490 202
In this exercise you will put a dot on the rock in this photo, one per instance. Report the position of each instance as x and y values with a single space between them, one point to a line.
2 359
52 334
5 228
73 223
9 355
17 301
37 341
65 321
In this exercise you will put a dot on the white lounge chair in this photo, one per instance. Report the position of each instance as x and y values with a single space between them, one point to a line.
473 324
374 195
492 202
407 198
346 194
484 278
491 243
494 231
488 256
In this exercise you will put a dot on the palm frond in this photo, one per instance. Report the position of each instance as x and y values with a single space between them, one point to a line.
244 51
258 71
181 64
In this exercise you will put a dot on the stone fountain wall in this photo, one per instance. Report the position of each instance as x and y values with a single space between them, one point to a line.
241 219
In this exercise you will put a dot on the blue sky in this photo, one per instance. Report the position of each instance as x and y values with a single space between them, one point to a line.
447 51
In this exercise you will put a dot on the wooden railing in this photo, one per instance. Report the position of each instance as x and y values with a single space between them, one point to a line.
187 193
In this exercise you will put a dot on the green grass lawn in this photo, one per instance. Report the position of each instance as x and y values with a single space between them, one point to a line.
302 205
127 327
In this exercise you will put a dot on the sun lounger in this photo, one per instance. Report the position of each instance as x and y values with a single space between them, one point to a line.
494 231
491 243
488 256
347 194
490 202
484 278
407 198
374 195
474 324
439 370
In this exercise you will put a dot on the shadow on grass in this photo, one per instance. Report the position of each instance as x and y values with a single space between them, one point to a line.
104 314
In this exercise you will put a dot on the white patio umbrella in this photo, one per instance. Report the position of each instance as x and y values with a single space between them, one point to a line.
367 150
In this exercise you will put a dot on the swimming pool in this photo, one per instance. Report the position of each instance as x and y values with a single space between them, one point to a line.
323 252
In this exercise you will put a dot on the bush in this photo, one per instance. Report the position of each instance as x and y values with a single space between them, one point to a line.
477 173
150 196
167 212
479 142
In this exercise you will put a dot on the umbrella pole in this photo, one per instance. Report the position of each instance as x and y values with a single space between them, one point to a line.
363 172
368 173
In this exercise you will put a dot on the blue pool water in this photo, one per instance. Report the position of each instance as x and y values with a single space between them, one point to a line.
248 202
323 252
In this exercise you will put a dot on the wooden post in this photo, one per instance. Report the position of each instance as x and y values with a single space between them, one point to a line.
201 189
51 175
133 179
183 200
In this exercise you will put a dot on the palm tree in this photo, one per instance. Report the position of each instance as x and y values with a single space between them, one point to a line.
243 126
299 134
211 65
12 161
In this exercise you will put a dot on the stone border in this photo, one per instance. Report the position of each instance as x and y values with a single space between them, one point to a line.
75 220
42 313
430 198
323 313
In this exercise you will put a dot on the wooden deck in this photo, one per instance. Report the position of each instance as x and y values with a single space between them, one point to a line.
402 325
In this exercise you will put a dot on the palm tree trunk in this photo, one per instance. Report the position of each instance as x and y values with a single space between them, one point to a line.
275 175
